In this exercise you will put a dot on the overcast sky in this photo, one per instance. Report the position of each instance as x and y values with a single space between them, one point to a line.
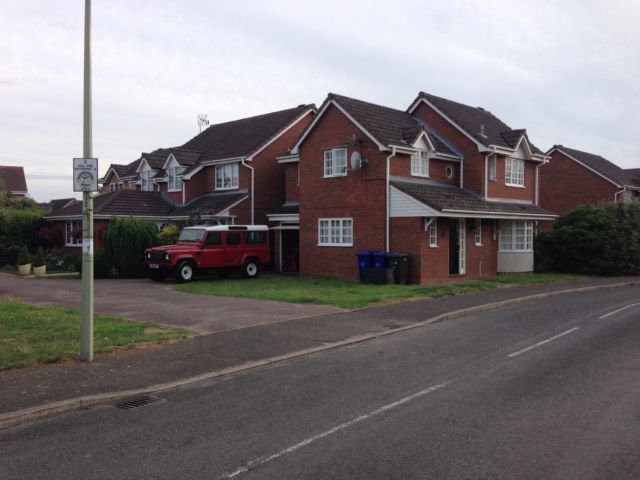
568 71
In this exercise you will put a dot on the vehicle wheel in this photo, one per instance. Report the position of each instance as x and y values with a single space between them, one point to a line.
184 271
251 268
157 276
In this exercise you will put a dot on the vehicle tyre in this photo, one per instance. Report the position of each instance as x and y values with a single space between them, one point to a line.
251 268
185 271
157 276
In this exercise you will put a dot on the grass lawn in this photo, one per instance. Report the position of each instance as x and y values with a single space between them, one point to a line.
30 334
346 294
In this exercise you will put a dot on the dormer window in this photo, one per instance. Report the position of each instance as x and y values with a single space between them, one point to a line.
175 183
514 172
420 163
145 180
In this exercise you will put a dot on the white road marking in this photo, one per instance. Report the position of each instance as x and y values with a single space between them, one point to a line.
263 460
520 352
619 310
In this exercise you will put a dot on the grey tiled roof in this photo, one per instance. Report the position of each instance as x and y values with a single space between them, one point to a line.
135 203
599 164
287 208
475 119
390 126
634 175
450 198
242 137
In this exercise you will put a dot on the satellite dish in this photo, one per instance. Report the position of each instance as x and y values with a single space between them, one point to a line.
356 161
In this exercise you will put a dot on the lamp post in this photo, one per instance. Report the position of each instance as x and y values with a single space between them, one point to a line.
86 328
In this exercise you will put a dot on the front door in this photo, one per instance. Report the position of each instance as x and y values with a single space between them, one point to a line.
457 242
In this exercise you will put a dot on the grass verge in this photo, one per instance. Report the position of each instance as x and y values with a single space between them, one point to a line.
346 294
30 334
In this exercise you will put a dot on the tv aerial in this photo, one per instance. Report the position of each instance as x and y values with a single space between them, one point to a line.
203 121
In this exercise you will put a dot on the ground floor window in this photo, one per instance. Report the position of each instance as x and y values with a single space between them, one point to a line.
334 232
516 236
73 233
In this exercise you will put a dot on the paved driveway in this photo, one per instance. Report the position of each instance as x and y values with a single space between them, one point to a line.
143 299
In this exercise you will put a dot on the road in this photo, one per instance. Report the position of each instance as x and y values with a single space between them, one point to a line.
540 390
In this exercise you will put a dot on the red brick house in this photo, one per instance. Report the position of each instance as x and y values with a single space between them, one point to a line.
574 177
634 175
462 204
14 181
228 173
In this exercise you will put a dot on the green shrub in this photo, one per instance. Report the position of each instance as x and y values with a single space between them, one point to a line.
72 262
169 235
24 257
18 226
125 242
592 241
38 258
8 254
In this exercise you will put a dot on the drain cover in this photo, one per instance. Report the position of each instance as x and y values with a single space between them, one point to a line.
138 402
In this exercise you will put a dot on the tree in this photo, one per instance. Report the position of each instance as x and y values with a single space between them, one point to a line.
125 242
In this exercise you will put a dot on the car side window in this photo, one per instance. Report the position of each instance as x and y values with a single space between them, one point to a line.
255 238
214 238
233 238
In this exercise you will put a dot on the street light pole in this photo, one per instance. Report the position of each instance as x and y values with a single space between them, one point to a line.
86 328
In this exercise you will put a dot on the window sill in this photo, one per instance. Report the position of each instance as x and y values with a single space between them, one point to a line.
222 188
513 185
334 245
433 246
420 175
334 176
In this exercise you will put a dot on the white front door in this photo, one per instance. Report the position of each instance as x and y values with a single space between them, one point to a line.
462 232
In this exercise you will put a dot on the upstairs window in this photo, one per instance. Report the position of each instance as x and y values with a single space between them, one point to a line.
420 163
493 171
175 183
335 162
516 236
227 176
114 187
145 180
514 172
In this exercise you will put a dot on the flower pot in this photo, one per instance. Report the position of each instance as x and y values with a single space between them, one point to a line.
24 269
40 271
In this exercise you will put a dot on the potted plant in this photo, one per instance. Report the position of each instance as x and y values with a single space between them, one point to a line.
39 265
24 261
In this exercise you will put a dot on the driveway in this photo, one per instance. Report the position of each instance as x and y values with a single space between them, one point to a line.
142 299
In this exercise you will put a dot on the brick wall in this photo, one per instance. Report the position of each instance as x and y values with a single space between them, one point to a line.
498 189
401 166
292 189
359 195
565 184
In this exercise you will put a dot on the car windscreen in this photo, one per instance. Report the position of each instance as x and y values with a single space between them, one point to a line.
191 235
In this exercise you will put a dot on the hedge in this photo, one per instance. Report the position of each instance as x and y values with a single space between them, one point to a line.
125 242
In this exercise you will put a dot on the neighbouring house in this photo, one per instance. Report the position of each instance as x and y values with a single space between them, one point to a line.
574 177
229 173
634 175
14 181
449 184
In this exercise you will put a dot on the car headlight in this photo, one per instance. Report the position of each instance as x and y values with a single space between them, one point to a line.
167 256
148 254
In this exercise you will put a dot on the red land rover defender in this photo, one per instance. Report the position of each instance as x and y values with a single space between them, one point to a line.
224 248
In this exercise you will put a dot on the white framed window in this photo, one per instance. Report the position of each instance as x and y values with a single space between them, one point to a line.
514 172
73 233
627 196
146 185
335 232
175 183
420 163
493 169
433 234
335 162
516 236
227 176
478 232
115 186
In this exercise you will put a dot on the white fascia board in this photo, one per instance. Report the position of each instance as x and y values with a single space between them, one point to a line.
222 161
282 132
589 168
110 170
192 173
284 217
296 147
445 156
481 147
423 135
169 160
403 149
288 159
509 200
496 215
143 161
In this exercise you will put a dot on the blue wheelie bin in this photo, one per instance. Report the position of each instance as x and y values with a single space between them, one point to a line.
365 260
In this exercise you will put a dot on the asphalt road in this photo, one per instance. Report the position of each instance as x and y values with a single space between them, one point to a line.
544 390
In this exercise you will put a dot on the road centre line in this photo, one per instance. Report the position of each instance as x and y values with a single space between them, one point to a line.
390 406
618 310
531 347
